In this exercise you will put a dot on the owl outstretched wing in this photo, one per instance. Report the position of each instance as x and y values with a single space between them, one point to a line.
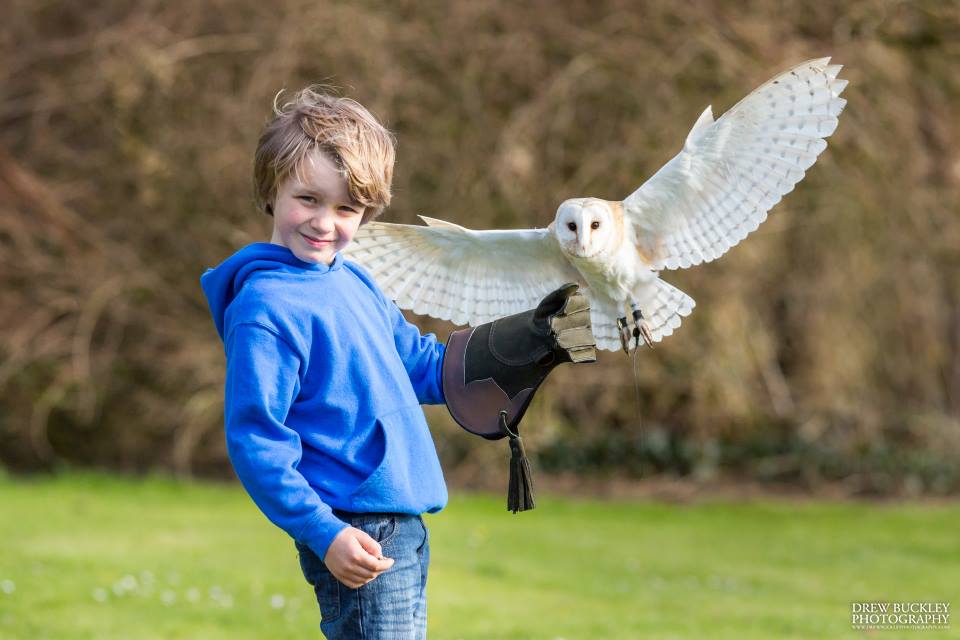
462 275
731 171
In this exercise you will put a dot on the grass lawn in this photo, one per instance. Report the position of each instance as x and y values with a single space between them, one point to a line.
96 556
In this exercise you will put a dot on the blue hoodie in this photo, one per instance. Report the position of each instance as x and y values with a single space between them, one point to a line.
324 383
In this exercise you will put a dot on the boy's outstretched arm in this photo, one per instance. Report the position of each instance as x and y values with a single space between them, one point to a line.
422 356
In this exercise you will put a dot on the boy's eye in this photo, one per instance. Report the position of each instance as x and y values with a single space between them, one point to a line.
307 199
348 209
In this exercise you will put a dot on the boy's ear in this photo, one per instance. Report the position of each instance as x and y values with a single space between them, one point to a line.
370 214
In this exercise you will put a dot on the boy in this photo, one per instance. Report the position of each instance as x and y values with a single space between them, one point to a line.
325 376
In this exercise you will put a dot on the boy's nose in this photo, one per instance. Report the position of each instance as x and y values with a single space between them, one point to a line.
322 222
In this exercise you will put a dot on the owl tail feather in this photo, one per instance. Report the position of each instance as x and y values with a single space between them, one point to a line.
664 306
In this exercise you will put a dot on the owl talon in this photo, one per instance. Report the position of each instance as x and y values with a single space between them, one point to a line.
624 334
641 329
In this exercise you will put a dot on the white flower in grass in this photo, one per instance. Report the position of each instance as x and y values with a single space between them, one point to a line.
277 601
100 594
7 586
193 594
723 583
124 585
168 597
222 598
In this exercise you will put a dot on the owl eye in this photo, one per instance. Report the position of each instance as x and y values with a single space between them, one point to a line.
572 226
594 225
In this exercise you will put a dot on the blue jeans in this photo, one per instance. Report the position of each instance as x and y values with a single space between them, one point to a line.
391 607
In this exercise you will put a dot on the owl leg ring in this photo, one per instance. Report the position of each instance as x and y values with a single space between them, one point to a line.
640 327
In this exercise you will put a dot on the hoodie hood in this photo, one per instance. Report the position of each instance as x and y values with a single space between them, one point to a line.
222 283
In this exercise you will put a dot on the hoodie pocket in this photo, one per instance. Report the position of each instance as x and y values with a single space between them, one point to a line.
409 477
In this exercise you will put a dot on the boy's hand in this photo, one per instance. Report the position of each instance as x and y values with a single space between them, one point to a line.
354 558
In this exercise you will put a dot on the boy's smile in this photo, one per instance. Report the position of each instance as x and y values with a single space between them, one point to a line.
313 214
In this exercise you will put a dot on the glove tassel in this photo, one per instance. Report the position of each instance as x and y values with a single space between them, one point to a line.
520 492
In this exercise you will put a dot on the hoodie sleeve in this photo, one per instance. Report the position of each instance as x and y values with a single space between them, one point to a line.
422 356
262 383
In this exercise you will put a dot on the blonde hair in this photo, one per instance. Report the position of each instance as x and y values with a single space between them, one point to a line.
342 129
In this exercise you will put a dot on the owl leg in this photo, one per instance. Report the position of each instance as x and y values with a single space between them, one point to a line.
640 327
624 334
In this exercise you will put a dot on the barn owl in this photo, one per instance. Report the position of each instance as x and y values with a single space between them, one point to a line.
705 200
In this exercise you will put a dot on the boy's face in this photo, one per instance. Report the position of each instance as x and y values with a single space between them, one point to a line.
315 218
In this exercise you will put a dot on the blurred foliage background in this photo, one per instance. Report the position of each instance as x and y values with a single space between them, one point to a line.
824 350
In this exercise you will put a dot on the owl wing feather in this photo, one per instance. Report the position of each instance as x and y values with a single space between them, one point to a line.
731 171
462 275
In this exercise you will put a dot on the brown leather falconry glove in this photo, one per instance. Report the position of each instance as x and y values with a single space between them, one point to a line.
491 372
